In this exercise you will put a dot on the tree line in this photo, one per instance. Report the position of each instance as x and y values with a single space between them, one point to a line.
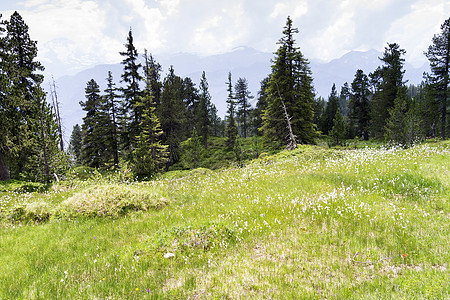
142 121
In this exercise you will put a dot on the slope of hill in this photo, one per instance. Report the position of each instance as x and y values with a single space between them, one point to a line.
310 223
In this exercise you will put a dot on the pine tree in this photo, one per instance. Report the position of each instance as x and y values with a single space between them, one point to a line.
261 105
152 77
111 107
171 114
131 91
93 151
290 82
338 131
204 110
344 97
330 110
242 97
150 154
396 123
231 129
21 101
192 151
359 105
191 102
387 81
75 144
439 57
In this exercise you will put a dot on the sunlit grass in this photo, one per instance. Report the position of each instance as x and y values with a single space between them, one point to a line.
310 223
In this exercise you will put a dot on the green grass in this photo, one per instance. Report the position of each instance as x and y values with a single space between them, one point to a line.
371 223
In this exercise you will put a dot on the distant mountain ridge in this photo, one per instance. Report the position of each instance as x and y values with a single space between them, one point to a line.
241 62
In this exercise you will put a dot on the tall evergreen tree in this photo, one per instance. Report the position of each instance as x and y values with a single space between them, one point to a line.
261 105
21 103
131 91
204 110
191 102
171 114
438 55
242 96
388 82
330 110
152 77
359 105
344 97
290 82
111 107
337 132
231 129
150 154
75 144
93 151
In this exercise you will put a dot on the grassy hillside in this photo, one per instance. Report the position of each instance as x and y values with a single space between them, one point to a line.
311 223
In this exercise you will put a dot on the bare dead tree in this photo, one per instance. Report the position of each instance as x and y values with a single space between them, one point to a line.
55 104
292 144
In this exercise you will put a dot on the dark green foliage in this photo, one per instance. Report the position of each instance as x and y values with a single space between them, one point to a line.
172 115
231 130
403 125
204 110
386 80
330 110
192 151
75 144
111 108
359 105
191 102
344 98
131 92
96 149
439 56
261 105
152 77
27 136
290 82
149 155
338 131
242 98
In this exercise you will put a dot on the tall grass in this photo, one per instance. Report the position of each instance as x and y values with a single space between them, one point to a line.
370 223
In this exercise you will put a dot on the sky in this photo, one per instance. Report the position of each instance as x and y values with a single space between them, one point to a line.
74 35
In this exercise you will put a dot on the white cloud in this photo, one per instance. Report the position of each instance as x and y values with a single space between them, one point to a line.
78 33
414 31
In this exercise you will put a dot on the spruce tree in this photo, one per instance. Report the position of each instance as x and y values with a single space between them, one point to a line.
75 144
191 102
261 105
22 103
150 154
111 107
438 55
359 105
290 82
344 97
338 131
242 97
131 92
152 77
204 110
388 82
231 129
93 151
171 114
330 110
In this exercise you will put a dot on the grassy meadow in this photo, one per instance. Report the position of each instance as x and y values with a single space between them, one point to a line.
313 223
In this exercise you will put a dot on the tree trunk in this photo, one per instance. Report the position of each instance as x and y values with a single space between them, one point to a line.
4 173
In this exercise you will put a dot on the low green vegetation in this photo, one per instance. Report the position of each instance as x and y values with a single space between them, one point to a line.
365 223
